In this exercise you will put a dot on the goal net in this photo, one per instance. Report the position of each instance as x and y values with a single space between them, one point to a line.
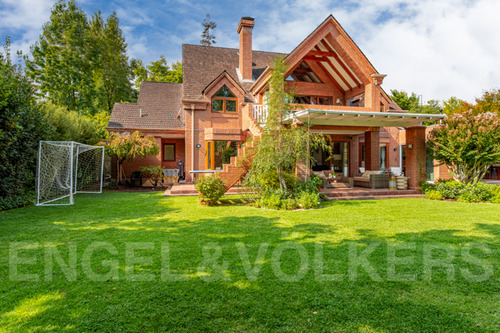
65 168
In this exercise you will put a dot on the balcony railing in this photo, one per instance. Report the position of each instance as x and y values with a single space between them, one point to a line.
260 113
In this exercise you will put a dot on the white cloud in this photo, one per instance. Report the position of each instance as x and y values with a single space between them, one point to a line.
25 19
434 48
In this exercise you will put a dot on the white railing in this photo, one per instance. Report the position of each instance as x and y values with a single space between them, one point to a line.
260 113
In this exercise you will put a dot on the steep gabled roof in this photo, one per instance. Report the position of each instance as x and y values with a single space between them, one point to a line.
334 50
226 75
202 64
158 107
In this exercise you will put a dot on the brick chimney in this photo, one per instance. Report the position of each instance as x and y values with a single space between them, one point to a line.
245 30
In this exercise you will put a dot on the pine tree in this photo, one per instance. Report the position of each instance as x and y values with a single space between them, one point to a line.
207 38
112 72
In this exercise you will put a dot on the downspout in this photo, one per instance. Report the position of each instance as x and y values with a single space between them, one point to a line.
192 137
308 161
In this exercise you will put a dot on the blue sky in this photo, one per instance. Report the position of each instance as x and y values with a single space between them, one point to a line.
435 48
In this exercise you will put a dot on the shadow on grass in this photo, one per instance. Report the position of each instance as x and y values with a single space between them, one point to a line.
239 303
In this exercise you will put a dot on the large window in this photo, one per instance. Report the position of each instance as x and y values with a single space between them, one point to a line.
224 101
169 152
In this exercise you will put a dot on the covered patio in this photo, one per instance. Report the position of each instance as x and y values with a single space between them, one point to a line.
360 130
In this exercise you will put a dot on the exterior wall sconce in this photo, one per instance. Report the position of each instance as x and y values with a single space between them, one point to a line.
410 146
395 148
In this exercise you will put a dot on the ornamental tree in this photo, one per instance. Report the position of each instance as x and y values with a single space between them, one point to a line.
284 142
468 143
128 147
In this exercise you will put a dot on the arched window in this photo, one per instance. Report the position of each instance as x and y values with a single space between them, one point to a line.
224 101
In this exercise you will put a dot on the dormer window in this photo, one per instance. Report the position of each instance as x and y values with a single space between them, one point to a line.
224 101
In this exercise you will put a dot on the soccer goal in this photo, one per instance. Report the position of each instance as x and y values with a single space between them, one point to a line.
65 168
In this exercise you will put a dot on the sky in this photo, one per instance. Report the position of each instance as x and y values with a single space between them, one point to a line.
435 48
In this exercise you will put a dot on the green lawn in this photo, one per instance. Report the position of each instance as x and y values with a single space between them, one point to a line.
236 291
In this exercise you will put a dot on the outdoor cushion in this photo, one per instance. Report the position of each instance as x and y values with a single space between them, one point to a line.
372 172
362 179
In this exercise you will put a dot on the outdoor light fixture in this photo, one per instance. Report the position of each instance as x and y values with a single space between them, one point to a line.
410 146
395 148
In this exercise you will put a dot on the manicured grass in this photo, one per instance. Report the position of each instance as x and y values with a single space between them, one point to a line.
229 299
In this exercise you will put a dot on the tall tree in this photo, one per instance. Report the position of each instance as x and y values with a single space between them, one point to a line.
158 71
60 64
207 38
282 145
112 73
81 64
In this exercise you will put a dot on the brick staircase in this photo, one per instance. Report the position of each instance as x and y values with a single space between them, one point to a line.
239 166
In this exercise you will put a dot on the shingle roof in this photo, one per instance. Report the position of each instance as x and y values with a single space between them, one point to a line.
160 106
201 64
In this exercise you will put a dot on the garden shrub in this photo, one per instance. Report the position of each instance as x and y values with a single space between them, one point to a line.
426 187
496 195
210 188
477 192
153 172
308 200
311 185
434 195
450 189
270 181
22 125
287 200
289 204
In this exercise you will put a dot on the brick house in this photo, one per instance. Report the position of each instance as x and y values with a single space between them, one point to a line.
222 100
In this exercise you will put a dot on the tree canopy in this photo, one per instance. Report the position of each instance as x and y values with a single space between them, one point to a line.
81 63
127 147
156 71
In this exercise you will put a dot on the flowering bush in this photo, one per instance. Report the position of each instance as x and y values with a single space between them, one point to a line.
210 188
468 143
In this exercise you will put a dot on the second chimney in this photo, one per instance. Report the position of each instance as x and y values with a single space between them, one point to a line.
245 30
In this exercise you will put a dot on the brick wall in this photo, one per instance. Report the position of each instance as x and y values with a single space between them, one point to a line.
372 150
415 156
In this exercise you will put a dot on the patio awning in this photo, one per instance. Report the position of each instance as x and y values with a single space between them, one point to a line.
362 118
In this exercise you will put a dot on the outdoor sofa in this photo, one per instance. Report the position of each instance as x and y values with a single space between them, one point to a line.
372 179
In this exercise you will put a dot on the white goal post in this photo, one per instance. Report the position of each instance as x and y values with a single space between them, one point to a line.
65 168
